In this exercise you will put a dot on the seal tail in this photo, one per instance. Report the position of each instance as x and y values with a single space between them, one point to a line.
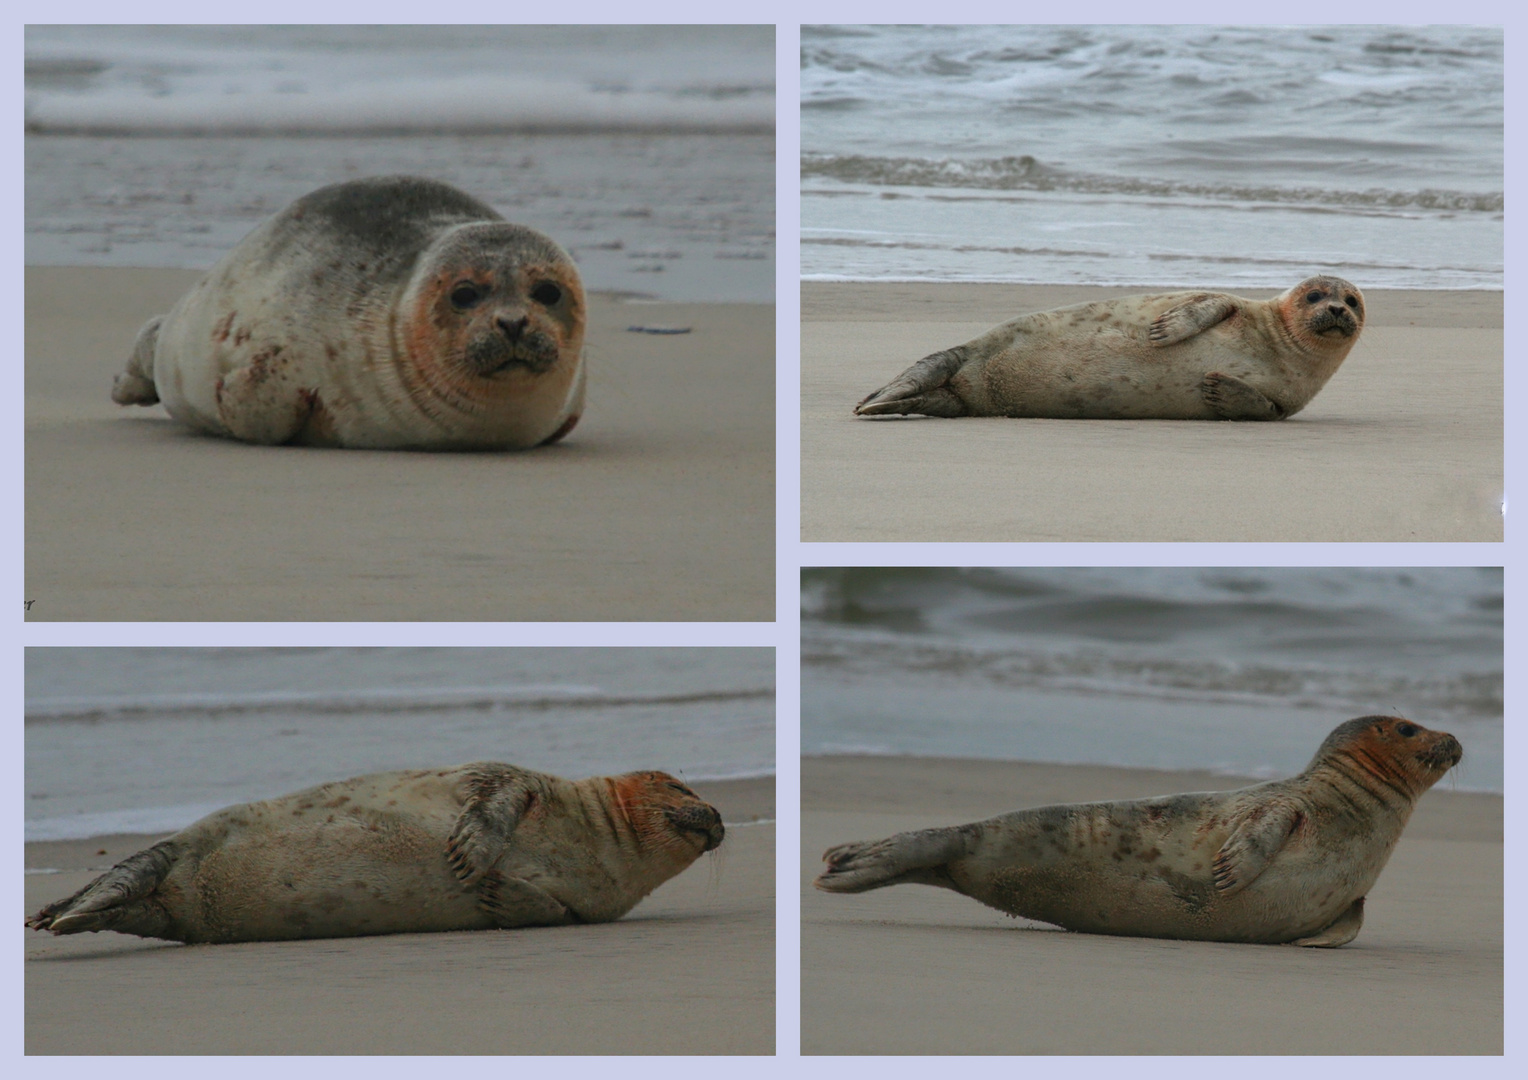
135 386
113 899
917 858
922 388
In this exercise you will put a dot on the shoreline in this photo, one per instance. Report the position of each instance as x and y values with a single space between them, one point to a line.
129 516
920 970
707 935
1387 451
958 301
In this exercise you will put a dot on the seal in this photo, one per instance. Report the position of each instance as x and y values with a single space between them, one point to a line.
476 847
1287 862
385 313
1167 356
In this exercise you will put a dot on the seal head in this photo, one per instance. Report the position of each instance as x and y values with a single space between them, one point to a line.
1323 312
496 317
1391 759
663 811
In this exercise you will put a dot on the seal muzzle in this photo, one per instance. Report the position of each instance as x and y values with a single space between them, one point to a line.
1333 317
699 818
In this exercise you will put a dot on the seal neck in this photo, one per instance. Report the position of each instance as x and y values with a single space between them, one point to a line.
1366 780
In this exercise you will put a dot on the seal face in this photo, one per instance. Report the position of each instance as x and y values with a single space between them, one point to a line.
1168 356
389 313
476 847
1283 862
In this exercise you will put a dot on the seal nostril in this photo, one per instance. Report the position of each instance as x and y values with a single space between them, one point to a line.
513 328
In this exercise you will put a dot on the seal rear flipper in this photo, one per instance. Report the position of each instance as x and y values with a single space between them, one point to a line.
1344 930
513 902
1254 842
1232 399
116 899
1183 321
922 389
496 799
914 858
135 386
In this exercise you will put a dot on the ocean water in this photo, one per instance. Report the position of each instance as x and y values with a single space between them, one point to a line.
647 152
1241 671
149 740
1155 155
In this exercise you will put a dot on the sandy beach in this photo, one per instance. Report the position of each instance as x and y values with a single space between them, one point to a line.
659 507
1405 442
701 948
919 970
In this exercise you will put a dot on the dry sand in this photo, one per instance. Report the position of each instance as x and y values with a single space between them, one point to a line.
690 971
1405 442
919 970
659 507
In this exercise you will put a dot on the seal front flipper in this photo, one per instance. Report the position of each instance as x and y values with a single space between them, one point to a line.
135 386
1344 930
1253 844
1182 321
922 388
260 403
497 797
912 858
119 899
1233 399
513 902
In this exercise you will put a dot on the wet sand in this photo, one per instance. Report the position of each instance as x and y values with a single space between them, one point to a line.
1404 443
918 970
659 507
690 971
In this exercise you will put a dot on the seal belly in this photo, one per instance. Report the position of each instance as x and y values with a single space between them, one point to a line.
1146 869
1112 868
1106 371
332 874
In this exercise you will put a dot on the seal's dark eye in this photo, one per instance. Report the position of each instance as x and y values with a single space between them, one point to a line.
465 295
1312 298
546 293
1352 302
685 790
1406 730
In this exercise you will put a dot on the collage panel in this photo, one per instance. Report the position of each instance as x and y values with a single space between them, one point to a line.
336 834
524 276
1183 767
1025 228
